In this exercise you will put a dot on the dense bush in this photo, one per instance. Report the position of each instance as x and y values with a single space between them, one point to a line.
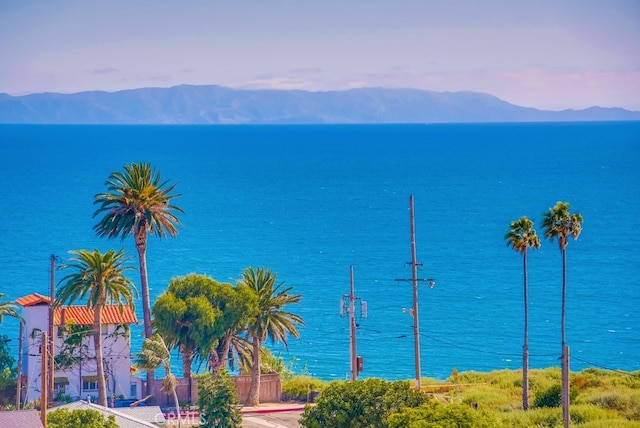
79 418
217 401
299 387
606 399
550 397
359 404
437 415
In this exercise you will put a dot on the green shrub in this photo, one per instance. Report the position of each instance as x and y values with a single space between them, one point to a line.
79 418
624 401
359 404
552 397
217 401
542 417
437 415
587 412
298 387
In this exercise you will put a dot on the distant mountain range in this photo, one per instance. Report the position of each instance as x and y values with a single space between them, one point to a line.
187 104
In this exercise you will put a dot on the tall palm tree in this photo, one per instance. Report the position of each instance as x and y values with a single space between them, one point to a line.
9 309
156 354
559 223
138 203
521 237
99 278
272 320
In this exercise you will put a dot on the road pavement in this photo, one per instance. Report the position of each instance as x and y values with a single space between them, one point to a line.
273 415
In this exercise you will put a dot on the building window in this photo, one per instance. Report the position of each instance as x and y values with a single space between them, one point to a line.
60 385
134 390
90 383
104 329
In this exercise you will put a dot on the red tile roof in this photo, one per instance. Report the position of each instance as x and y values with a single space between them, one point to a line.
33 299
81 314
84 316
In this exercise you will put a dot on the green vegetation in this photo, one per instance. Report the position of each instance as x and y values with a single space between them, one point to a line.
204 318
362 403
8 308
217 401
138 203
599 399
8 374
155 354
559 223
79 418
100 279
521 237
271 321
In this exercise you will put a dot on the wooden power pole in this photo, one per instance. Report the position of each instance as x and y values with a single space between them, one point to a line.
349 302
414 281
44 396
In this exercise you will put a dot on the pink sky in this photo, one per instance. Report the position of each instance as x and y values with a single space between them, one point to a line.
543 54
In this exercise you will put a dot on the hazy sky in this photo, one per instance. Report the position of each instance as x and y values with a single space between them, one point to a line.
550 54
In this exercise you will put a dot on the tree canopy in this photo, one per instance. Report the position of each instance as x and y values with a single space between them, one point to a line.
201 316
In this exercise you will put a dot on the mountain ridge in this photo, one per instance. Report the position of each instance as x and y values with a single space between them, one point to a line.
213 104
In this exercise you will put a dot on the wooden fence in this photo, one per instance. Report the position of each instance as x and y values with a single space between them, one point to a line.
270 390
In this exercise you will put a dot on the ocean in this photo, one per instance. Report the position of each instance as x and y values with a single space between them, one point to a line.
308 202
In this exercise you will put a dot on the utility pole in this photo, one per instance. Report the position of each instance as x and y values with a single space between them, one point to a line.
44 378
349 302
52 284
19 385
414 280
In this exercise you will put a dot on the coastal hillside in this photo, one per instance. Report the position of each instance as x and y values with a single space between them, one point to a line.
187 104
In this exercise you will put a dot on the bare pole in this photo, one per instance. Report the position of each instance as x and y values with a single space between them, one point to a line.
44 378
352 322
19 384
50 343
414 281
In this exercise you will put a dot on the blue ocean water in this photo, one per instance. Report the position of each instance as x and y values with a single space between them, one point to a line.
309 201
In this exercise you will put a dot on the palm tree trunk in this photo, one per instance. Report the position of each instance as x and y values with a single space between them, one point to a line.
525 347
565 358
253 399
97 342
141 246
177 404
187 360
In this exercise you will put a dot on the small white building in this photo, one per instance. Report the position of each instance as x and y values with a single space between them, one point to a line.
75 374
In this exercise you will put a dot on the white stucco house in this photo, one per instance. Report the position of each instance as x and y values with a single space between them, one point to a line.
75 373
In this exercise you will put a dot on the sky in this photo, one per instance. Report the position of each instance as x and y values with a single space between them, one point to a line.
547 54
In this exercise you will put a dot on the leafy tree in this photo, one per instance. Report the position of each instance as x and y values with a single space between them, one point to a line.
100 279
138 203
272 321
8 308
79 418
155 354
217 401
362 403
203 318
521 237
559 223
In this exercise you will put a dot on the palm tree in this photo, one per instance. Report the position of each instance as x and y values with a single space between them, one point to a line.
559 223
138 203
156 354
9 309
272 321
522 236
100 279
